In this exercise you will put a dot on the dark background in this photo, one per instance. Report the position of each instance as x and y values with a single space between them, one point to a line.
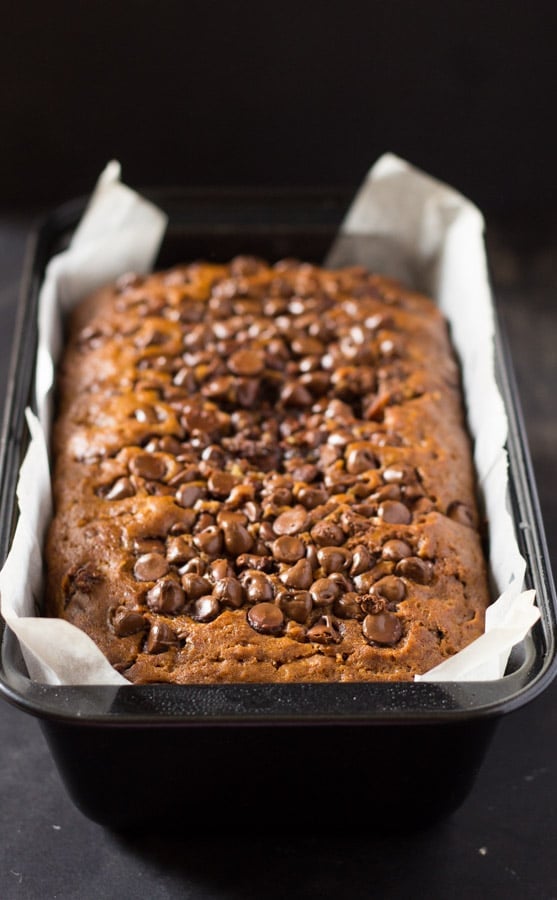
289 92
296 93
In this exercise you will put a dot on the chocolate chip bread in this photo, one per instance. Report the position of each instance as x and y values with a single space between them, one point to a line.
262 473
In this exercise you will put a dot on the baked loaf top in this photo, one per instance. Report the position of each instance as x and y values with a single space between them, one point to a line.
263 473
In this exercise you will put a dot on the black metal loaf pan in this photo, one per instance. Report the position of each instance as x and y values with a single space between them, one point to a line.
258 755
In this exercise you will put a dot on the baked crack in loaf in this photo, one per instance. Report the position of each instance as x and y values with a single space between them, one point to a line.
263 473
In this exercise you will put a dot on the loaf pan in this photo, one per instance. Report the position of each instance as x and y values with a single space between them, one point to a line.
254 755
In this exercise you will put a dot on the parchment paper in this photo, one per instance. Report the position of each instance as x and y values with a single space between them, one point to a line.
401 222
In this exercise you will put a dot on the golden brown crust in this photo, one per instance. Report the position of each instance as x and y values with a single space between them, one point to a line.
263 474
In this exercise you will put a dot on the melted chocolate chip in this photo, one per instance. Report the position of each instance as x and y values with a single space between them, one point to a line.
460 512
195 585
382 628
266 618
324 591
288 549
327 534
291 522
257 586
166 597
299 576
150 566
296 605
161 637
391 588
121 489
179 550
188 494
205 609
127 621
395 550
415 569
325 631
395 513
334 559
246 362
237 538
229 591
221 483
362 560
148 466
209 540
347 606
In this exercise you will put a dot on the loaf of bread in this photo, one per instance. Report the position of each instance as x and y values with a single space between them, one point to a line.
262 473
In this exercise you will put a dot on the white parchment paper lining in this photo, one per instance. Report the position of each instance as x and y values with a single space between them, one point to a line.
427 227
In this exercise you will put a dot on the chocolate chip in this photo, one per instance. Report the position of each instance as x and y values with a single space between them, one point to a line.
325 631
334 559
299 576
220 388
415 569
306 346
256 585
204 520
461 513
391 588
200 420
315 382
166 597
229 591
209 540
195 585
149 466
267 532
266 618
394 513
386 492
310 497
292 521
196 566
288 549
382 628
399 475
327 534
221 483
395 550
281 496
252 561
237 538
360 457
348 606
205 609
293 393
220 568
127 621
121 489
362 560
246 362
188 494
185 520
344 582
179 551
161 637
324 591
148 545
227 517
295 605
150 566
145 414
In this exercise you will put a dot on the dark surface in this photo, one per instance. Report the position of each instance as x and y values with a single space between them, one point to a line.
283 93
499 843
